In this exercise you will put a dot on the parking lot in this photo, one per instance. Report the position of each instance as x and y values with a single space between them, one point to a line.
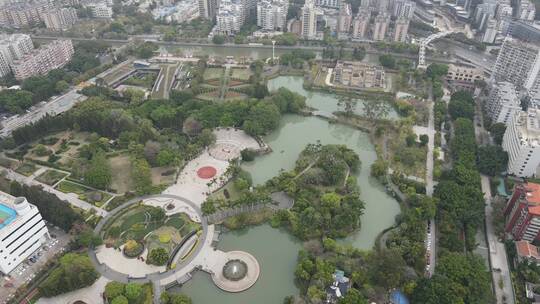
27 270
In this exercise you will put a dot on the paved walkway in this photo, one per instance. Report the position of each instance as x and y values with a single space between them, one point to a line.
70 198
431 235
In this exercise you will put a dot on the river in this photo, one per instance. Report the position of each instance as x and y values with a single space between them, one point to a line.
275 249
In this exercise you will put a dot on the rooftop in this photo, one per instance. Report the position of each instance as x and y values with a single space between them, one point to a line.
7 211
529 127
527 250
532 193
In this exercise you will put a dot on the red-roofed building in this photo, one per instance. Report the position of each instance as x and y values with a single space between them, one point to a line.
527 251
522 212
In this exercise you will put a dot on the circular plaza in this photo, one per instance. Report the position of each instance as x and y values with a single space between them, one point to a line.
137 231
235 271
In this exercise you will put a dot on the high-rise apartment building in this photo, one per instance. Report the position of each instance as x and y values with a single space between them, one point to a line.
522 142
60 19
328 3
491 31
518 62
13 47
40 61
403 8
382 21
23 14
230 17
527 10
208 8
503 102
309 20
361 23
344 18
272 14
22 231
401 28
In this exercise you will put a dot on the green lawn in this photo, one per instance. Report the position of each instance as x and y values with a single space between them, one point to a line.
212 73
26 169
233 193
95 197
51 177
242 74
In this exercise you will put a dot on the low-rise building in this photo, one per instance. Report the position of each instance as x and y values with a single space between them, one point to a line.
463 77
22 231
522 142
527 252
358 75
40 61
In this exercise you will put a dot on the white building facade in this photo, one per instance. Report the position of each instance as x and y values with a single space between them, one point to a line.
309 20
518 62
230 17
272 14
503 102
521 141
22 231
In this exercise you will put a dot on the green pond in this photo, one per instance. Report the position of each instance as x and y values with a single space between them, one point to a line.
325 102
276 250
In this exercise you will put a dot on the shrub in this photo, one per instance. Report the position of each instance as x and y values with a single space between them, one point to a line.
114 289
158 256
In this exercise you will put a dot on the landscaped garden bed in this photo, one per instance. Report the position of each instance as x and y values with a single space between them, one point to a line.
26 169
150 227
51 177
95 197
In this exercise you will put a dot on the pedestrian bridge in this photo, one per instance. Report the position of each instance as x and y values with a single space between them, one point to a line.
423 44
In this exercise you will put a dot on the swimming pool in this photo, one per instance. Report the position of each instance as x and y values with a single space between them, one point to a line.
7 215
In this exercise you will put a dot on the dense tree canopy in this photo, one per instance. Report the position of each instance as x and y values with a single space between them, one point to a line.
75 271
461 105
497 131
491 160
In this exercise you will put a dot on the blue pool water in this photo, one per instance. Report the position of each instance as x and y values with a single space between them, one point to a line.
7 215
